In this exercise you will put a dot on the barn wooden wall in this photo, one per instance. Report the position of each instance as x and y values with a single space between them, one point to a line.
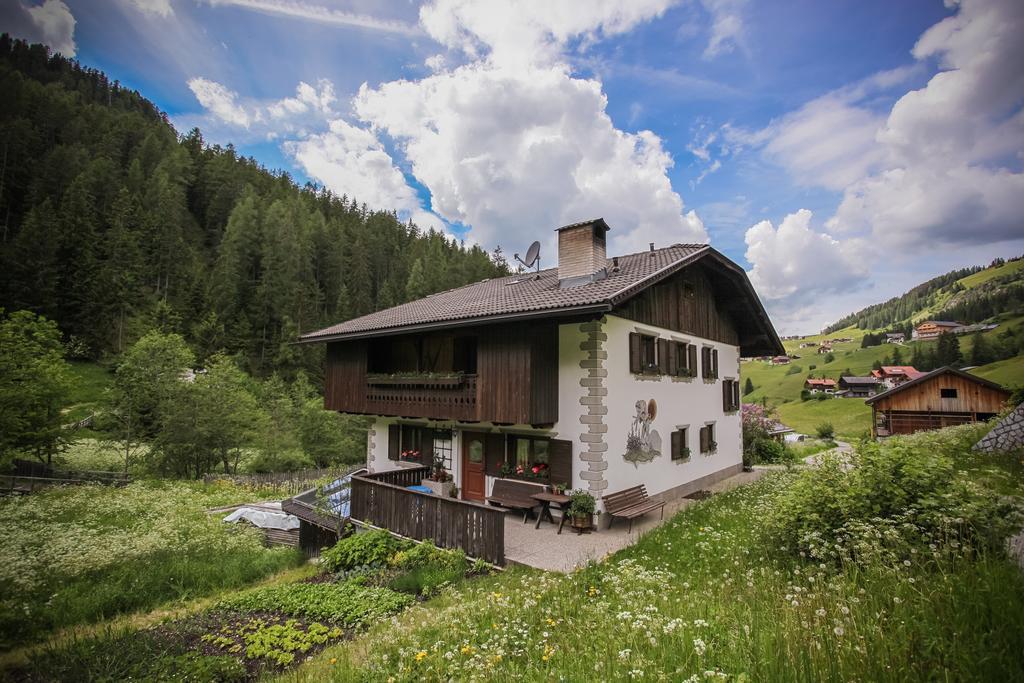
971 397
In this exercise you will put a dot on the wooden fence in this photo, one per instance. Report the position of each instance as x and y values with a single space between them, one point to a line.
292 483
382 499
14 484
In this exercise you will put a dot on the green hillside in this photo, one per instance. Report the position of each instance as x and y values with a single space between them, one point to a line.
1002 352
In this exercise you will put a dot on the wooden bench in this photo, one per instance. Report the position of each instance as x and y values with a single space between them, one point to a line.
630 504
515 495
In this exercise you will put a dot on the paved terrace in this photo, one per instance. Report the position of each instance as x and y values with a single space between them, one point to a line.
544 548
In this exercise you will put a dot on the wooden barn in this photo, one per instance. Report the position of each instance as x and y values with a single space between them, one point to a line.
940 398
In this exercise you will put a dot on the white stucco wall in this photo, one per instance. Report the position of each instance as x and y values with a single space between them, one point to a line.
690 402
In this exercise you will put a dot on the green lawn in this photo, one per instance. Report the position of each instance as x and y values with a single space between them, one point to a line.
90 382
1009 372
850 417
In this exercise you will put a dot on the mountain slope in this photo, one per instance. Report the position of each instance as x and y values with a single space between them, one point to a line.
113 223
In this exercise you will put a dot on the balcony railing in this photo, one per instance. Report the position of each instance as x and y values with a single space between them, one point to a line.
383 500
453 399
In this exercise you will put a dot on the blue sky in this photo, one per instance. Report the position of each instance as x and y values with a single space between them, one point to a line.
840 151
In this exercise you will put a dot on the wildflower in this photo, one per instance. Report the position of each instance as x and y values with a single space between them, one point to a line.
838 630
334 660
699 646
897 600
624 654
421 655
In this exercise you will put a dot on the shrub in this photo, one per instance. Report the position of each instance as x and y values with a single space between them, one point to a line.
821 396
812 366
825 430
767 451
806 395
367 549
347 604
427 554
794 370
905 493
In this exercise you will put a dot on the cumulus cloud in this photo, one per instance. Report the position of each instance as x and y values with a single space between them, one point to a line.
352 160
952 172
793 263
530 31
50 23
514 152
219 101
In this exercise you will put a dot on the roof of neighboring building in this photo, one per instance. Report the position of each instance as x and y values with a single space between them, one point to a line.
895 334
872 381
779 428
538 295
825 382
925 376
941 323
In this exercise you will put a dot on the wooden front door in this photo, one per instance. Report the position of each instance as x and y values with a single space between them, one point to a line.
474 459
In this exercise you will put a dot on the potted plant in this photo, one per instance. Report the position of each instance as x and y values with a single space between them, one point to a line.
581 509
558 488
440 480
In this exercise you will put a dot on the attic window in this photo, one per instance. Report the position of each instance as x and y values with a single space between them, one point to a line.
947 393
688 290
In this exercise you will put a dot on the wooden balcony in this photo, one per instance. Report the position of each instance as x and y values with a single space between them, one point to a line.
448 400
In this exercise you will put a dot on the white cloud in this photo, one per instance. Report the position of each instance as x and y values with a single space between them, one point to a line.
727 27
307 99
50 23
530 31
351 160
515 152
220 101
307 11
793 264
160 8
954 147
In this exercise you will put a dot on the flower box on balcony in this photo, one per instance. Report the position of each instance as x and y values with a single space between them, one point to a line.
416 379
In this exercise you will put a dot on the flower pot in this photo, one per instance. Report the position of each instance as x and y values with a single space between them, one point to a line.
580 521
440 488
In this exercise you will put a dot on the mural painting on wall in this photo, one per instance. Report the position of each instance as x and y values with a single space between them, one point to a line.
643 443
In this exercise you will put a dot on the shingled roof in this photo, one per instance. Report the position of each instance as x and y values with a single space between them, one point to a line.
536 295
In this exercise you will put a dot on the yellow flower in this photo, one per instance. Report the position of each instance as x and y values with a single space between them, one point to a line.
421 655
467 649
496 596
497 658
551 622
334 660
494 625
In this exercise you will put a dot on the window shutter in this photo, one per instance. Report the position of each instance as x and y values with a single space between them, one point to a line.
673 358
704 439
677 444
705 362
714 363
494 454
691 360
726 396
560 461
736 395
426 446
634 353
394 441
663 354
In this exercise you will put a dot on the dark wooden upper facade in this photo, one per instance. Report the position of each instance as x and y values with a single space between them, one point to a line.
696 301
506 374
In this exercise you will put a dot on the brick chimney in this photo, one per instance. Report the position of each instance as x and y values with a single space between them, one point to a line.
581 253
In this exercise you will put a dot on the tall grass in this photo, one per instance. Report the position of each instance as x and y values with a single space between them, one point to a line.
709 595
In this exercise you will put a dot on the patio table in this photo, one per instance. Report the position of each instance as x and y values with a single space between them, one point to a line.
546 499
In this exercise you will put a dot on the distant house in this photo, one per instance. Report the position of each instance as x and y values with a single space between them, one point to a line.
895 337
779 431
820 386
779 360
807 345
891 376
825 348
931 329
858 387
940 398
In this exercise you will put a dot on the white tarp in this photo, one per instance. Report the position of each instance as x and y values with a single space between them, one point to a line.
264 519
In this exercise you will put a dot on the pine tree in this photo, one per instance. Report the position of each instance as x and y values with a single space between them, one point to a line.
748 387
416 286
897 355
981 354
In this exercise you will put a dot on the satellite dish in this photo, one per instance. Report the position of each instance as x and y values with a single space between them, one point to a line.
532 255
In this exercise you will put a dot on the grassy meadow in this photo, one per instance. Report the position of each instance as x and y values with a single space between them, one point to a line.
780 385
83 554
714 594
